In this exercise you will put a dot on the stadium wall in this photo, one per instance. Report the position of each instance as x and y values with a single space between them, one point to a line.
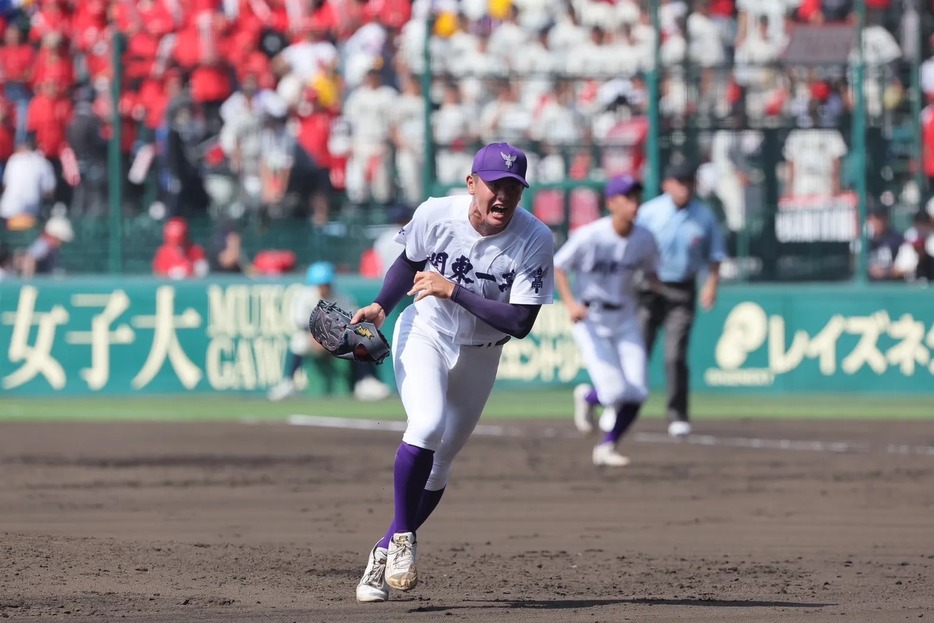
99 335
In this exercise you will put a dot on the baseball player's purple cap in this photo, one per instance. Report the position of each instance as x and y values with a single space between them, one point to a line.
500 160
622 185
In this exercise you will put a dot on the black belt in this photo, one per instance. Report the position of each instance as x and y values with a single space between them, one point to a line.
607 306
489 344
684 285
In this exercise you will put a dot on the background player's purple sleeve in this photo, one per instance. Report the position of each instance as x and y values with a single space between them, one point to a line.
398 281
513 319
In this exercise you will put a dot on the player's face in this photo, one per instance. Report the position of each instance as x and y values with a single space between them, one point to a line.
680 191
624 207
494 203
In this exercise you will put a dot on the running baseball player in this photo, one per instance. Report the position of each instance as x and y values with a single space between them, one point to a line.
606 257
480 269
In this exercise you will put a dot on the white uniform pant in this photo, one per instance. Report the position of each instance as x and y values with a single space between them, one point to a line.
443 386
615 359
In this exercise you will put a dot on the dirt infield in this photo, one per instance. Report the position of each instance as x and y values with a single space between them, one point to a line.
271 522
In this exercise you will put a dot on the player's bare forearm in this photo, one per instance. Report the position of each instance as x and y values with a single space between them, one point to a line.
708 294
563 285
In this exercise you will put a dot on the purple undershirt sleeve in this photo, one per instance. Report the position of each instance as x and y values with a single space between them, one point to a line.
515 320
398 281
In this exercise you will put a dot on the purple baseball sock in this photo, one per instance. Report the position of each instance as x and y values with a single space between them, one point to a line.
626 414
591 398
411 471
426 507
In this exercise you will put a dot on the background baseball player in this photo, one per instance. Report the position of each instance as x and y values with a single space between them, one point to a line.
607 256
320 281
480 269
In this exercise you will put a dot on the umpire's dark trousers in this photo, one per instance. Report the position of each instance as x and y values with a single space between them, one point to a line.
675 312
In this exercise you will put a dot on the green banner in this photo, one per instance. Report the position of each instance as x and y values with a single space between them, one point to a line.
140 335
817 338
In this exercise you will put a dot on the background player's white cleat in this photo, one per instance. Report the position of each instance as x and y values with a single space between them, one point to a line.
607 419
583 411
369 389
605 455
679 429
283 390
372 586
400 562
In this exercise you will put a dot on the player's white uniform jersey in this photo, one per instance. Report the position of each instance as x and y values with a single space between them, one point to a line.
513 266
606 268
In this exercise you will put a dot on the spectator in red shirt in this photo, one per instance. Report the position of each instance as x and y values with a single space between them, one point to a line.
178 257
53 63
48 115
314 156
155 96
88 24
51 17
927 141
825 11
17 59
7 132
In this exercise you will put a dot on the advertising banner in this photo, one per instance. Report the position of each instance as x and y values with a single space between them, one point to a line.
127 336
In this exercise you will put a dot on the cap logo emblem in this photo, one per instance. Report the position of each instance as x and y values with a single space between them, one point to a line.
508 159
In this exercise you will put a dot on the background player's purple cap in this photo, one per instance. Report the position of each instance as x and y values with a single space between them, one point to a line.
500 160
622 185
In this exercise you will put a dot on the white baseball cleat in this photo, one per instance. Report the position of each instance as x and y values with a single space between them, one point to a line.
679 428
583 411
372 586
400 562
283 390
605 455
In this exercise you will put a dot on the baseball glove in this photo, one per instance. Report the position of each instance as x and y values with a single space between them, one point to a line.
331 326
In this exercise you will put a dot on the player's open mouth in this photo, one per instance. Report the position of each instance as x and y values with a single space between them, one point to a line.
498 209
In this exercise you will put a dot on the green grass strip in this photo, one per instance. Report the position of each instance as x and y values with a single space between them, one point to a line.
551 403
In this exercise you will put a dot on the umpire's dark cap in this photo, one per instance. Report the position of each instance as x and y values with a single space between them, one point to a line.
682 171
622 185
497 161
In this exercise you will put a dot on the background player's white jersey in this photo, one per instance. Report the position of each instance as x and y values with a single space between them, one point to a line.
606 265
513 266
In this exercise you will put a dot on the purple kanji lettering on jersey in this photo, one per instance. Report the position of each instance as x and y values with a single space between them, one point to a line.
538 279
439 260
508 278
461 268
485 276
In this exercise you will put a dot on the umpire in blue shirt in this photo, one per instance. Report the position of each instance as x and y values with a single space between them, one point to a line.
690 247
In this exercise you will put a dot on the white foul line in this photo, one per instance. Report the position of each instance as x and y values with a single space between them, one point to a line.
492 430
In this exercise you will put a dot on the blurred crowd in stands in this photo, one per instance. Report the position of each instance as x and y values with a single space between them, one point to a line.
298 108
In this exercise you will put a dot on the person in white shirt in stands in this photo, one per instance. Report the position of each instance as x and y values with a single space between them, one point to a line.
451 125
28 181
813 157
309 58
368 110
408 136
